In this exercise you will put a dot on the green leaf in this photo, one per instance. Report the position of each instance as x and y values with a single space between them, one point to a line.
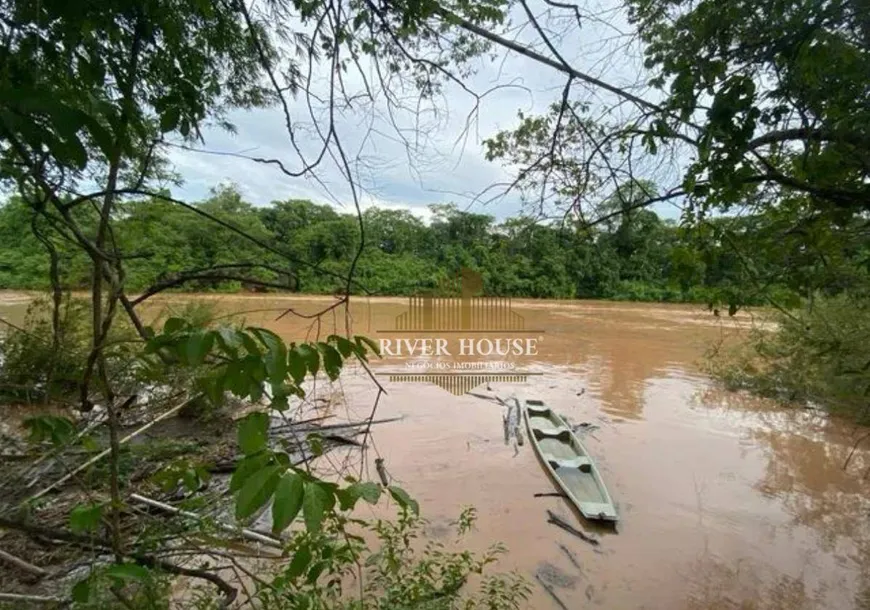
190 479
277 363
331 360
363 342
89 444
169 119
403 499
287 502
213 386
315 571
344 346
360 345
279 399
100 135
348 497
173 325
257 490
368 491
70 151
299 563
246 468
315 503
58 430
268 338
128 571
250 345
296 366
85 517
197 347
236 379
315 442
310 356
253 433
228 341
81 591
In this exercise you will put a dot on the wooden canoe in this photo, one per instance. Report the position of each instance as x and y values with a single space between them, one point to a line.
568 462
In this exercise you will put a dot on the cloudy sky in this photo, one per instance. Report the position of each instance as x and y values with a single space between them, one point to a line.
422 154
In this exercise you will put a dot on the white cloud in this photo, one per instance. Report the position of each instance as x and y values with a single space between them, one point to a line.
441 158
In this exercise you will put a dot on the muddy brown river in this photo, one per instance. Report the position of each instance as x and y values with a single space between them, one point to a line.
725 501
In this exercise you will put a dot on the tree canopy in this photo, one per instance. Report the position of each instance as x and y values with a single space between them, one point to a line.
636 255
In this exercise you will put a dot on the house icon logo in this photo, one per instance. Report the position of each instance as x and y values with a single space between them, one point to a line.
455 319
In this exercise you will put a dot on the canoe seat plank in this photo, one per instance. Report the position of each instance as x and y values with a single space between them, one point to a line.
605 511
576 462
552 431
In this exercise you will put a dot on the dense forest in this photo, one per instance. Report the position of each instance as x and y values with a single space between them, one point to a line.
632 256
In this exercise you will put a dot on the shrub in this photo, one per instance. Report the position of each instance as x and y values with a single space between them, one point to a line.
398 573
35 366
817 354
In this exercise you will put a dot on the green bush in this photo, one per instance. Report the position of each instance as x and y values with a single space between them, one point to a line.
398 571
36 366
819 354
32 365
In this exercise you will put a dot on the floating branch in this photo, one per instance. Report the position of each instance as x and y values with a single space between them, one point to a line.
571 557
343 440
557 520
487 397
352 424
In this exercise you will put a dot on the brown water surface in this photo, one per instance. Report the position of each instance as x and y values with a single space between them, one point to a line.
726 501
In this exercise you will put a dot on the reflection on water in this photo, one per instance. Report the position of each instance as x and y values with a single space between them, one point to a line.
726 501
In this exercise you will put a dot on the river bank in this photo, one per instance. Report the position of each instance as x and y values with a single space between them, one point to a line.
726 500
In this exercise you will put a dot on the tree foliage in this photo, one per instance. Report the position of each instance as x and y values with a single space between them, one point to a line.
634 255
91 98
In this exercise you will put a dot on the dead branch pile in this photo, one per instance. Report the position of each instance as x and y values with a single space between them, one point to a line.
42 486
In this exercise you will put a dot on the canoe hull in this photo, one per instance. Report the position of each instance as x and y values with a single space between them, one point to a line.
566 459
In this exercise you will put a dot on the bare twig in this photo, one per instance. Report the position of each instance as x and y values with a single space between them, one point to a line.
106 452
34 599
855 445
93 542
571 556
244 532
